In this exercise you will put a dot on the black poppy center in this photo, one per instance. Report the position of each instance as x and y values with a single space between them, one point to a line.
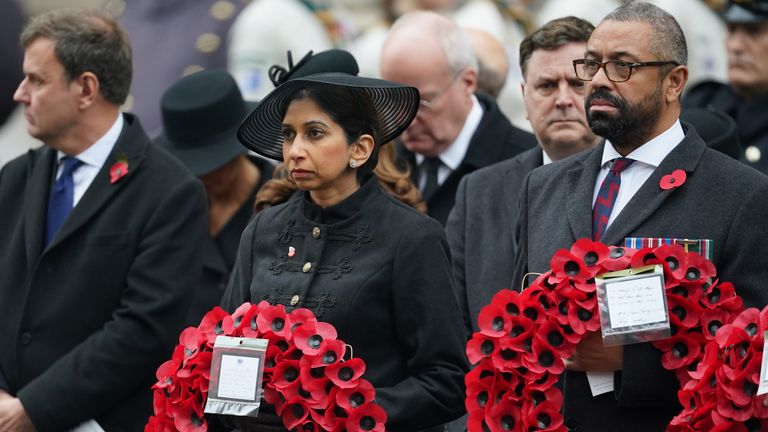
282 345
583 314
486 347
508 354
546 358
482 398
512 309
673 263
367 423
297 410
196 421
555 338
680 350
291 374
679 312
571 268
538 397
356 399
278 324
498 323
237 321
714 296
563 307
616 253
714 326
346 373
516 331
507 422
314 341
543 420
254 325
751 329
219 328
531 313
680 291
648 257
749 388
590 258
317 372
329 357
692 273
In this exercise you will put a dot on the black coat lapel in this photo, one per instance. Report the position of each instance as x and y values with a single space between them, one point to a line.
131 146
41 165
581 188
650 196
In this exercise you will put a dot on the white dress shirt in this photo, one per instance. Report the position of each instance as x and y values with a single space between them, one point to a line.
452 156
93 159
647 158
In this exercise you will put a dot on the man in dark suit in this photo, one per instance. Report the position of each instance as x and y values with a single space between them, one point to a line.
635 71
481 226
456 131
101 238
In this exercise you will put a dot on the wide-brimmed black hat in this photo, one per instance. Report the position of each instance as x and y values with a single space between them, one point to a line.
746 11
396 105
201 113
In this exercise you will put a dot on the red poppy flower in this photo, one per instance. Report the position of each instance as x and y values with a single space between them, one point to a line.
285 373
190 339
673 180
544 417
749 320
618 258
301 316
728 408
493 321
160 424
566 264
354 397
273 319
508 301
699 269
722 296
480 347
188 416
294 412
118 170
368 418
583 320
591 253
476 421
683 313
674 258
644 257
244 320
533 308
505 416
330 351
541 382
214 323
543 358
741 389
478 394
345 374
328 420
309 336
711 321
679 350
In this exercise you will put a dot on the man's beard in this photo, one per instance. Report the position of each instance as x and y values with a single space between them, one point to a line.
633 125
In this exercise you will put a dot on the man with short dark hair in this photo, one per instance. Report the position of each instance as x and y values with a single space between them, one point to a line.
456 131
101 238
487 200
634 69
745 97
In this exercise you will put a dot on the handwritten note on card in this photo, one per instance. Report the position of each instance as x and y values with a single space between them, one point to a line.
238 377
635 302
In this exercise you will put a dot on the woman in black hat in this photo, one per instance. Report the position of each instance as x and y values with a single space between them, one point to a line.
373 267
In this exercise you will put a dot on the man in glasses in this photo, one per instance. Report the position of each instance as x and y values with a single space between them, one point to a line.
456 131
745 97
634 70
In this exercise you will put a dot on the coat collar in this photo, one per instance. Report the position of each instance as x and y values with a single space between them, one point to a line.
131 146
581 186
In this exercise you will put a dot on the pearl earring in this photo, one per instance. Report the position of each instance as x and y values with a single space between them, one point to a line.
353 163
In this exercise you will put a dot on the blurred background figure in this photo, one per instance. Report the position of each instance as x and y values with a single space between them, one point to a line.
171 39
745 97
12 122
267 29
591 10
201 113
492 62
455 131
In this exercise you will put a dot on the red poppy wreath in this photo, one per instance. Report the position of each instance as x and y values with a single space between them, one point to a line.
715 348
305 377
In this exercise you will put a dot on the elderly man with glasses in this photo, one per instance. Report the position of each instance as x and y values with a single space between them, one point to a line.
456 130
635 69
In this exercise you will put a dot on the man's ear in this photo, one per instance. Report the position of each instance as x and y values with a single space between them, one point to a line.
674 83
88 87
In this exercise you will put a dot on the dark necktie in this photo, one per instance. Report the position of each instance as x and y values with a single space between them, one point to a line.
61 199
606 197
430 167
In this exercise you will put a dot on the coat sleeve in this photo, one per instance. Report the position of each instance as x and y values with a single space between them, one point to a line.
431 333
239 287
521 234
455 231
119 359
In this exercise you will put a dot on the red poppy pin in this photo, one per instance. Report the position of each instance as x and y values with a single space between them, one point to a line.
676 179
118 170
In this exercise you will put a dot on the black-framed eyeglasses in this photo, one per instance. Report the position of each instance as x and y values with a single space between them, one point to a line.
615 70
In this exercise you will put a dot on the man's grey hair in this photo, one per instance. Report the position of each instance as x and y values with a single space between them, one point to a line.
455 43
667 41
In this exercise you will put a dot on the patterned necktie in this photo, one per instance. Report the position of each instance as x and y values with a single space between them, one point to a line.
429 167
606 198
61 199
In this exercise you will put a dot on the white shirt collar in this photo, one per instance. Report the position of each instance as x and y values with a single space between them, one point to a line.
98 153
545 157
652 152
454 154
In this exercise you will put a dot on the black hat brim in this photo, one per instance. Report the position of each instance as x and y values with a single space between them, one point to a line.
738 14
396 105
